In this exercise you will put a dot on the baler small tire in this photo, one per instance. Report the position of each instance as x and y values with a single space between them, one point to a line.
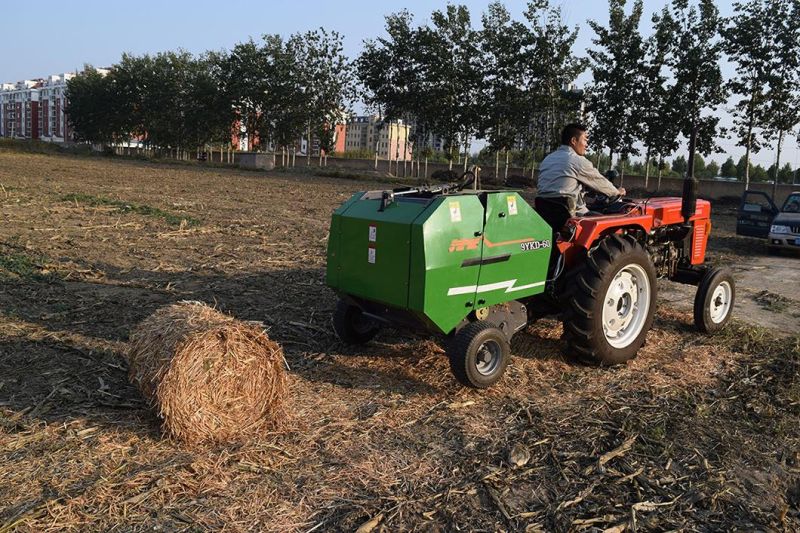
597 316
479 354
714 300
351 326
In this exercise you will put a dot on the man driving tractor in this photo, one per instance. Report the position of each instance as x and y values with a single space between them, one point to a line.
563 175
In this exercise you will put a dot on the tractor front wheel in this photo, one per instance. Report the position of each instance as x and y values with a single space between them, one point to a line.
713 302
478 354
610 302
352 325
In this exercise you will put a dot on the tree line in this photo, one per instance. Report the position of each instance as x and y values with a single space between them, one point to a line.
270 92
505 81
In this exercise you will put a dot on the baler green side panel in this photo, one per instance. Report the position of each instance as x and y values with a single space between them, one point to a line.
516 250
374 263
441 240
334 238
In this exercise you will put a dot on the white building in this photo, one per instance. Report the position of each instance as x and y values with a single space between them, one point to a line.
34 109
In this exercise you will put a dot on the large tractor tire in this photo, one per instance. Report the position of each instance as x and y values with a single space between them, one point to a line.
610 302
714 300
352 326
479 354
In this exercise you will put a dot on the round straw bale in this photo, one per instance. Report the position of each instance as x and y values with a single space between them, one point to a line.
209 377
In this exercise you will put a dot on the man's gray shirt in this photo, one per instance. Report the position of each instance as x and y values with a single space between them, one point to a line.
562 173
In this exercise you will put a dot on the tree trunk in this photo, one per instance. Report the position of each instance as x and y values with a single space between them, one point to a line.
389 148
376 157
308 148
505 173
426 167
533 163
610 159
747 155
777 167
660 164
294 156
466 153
496 164
646 168
405 154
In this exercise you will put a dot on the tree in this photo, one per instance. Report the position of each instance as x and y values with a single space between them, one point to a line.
728 168
758 173
618 76
326 82
450 71
244 81
679 165
711 170
786 175
90 109
550 67
660 120
698 88
393 72
502 94
749 44
783 96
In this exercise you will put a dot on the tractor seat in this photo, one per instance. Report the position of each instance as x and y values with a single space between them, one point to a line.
554 210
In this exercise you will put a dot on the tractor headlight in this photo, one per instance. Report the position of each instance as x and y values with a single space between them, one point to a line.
777 228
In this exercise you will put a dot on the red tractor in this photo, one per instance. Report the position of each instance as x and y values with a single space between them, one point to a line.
605 275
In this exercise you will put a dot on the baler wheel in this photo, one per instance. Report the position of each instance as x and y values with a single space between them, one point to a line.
478 354
610 302
352 326
713 302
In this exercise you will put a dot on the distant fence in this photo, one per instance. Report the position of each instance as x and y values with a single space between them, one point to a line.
714 189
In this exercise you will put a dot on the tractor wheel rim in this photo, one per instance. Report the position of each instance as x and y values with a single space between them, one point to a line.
720 304
626 305
488 357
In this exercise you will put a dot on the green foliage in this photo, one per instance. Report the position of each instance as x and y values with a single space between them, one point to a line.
728 168
748 44
680 165
503 83
94 108
618 71
16 261
130 207
355 154
694 62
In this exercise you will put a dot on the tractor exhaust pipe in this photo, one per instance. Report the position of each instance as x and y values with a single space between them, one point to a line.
689 203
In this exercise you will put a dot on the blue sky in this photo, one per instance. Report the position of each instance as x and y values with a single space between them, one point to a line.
50 37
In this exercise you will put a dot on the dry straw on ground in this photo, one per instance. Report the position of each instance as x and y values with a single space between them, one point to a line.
209 376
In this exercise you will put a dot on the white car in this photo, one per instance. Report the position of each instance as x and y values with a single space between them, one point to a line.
784 230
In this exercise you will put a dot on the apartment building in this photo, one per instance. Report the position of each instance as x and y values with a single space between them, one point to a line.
389 139
34 109
19 110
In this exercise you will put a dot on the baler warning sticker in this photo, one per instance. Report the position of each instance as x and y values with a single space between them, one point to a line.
373 233
455 212
371 255
512 205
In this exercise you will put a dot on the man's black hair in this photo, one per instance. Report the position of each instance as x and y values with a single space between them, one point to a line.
571 131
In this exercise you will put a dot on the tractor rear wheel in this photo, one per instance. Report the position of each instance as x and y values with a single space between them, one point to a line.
610 302
352 325
478 354
713 302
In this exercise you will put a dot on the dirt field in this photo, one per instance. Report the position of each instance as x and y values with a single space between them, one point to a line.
696 434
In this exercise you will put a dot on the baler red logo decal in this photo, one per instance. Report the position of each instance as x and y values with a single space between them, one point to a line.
459 245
